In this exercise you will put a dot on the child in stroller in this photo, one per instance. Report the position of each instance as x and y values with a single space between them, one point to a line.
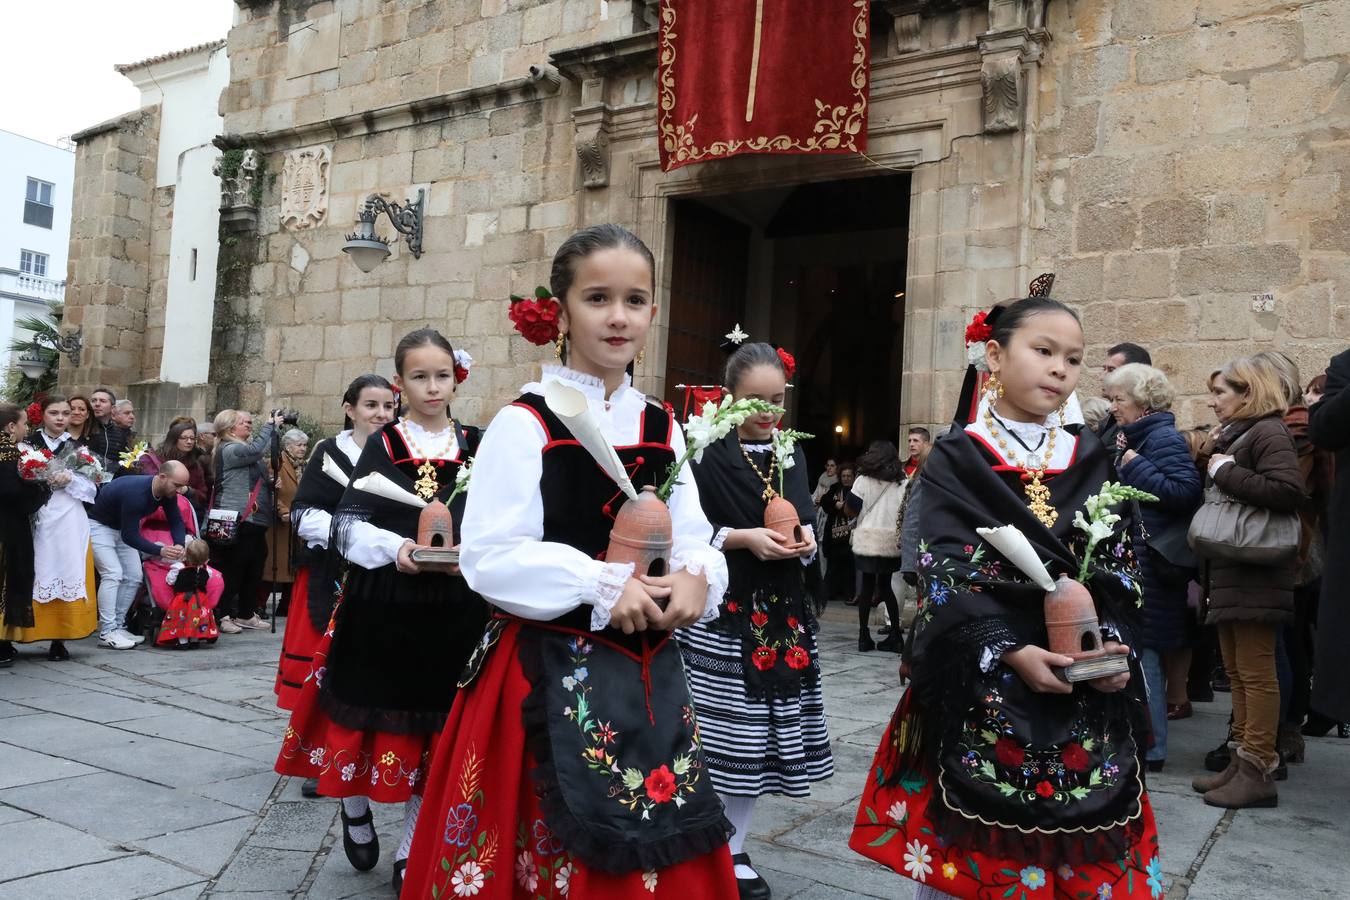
186 592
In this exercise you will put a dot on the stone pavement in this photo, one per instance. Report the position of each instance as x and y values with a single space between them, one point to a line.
148 773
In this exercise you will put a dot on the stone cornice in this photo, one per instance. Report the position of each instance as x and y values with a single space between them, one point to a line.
633 53
542 82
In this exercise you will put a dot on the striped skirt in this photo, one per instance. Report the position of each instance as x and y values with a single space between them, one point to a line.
754 746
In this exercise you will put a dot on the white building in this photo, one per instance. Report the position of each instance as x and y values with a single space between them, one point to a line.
186 85
35 200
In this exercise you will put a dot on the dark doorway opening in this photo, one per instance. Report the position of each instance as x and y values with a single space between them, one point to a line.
817 268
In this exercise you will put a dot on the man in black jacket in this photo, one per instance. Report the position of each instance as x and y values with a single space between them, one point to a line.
106 439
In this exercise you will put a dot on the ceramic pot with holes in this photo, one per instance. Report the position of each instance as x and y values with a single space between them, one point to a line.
642 535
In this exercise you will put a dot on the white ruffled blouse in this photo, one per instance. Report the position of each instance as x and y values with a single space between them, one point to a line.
503 555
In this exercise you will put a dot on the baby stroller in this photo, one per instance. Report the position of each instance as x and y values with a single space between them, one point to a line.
154 527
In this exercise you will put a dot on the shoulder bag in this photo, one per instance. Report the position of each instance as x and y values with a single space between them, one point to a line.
222 525
1227 529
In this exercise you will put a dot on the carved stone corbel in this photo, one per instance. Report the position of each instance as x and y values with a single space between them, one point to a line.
592 140
905 22
1001 81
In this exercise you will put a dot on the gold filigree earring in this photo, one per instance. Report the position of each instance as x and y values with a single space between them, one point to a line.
560 346
994 388
641 355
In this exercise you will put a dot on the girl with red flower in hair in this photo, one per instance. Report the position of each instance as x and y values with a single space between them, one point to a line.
753 671
571 761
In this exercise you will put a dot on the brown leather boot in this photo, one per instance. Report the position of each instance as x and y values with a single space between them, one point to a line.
1252 786
1203 784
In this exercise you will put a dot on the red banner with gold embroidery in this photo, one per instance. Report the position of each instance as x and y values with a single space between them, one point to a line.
761 76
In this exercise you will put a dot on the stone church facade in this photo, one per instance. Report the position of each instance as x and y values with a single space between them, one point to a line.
1183 166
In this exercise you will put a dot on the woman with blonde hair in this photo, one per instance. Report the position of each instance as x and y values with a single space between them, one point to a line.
1154 457
1256 464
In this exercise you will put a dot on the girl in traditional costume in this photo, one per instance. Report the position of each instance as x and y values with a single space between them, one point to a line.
383 675
754 672
189 618
20 498
64 606
571 763
369 406
997 778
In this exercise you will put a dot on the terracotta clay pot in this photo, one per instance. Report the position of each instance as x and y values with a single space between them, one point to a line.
642 535
781 516
435 551
1071 622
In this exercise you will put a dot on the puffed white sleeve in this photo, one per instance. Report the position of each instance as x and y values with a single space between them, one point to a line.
81 488
693 549
503 554
314 525
367 545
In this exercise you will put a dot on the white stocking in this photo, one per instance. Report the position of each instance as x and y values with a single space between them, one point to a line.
739 812
355 807
410 811
925 892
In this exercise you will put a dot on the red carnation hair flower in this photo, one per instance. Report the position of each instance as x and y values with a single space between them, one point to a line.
536 318
977 330
789 363
34 413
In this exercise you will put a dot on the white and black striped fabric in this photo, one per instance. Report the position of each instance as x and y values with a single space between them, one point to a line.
754 746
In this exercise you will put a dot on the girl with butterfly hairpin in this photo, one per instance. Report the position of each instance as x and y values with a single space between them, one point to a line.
996 775
754 671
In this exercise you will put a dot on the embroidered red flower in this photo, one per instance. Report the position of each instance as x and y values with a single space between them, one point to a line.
797 658
789 363
1008 753
759 619
977 330
733 606
34 414
1045 789
1075 758
793 623
536 318
660 785
764 658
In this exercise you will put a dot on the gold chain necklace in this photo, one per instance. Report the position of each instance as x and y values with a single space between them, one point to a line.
1037 493
769 492
426 484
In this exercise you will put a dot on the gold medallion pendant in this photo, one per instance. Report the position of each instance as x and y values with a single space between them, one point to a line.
426 484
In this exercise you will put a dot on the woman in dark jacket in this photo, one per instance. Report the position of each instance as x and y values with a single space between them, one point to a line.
1154 457
1255 462
19 499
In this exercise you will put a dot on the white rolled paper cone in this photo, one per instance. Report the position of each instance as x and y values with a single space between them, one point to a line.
1016 549
333 471
377 484
569 404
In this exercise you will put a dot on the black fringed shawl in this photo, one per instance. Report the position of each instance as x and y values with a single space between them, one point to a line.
1055 776
400 641
765 603
318 490
19 500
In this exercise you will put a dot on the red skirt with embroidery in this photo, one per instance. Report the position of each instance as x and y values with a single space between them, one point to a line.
186 619
893 829
386 767
481 832
297 647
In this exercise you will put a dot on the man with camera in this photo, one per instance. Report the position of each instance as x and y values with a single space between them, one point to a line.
240 514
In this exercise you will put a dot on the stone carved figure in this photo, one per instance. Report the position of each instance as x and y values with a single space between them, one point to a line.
1001 82
304 187
237 190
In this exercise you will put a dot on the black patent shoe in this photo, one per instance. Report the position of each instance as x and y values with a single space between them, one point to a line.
750 888
58 652
895 643
7 654
399 866
363 857
309 788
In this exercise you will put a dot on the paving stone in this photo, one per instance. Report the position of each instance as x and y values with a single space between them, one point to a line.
16 684
91 706
248 792
39 845
116 807
12 814
128 878
8 709
194 728
205 850
295 826
19 766
261 869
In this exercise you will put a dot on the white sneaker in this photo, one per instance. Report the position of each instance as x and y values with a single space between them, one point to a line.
253 622
114 641
226 625
128 636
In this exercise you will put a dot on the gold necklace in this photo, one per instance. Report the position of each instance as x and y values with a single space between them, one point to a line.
1037 493
769 492
426 484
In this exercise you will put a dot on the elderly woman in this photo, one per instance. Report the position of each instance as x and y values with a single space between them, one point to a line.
279 573
1154 457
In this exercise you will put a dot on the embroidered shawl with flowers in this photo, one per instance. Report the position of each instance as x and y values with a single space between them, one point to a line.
1018 773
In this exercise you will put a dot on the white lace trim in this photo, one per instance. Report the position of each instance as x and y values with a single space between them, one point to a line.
717 584
60 590
590 385
759 447
608 589
421 434
720 539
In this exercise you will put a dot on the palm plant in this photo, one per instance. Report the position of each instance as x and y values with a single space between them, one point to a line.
19 388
